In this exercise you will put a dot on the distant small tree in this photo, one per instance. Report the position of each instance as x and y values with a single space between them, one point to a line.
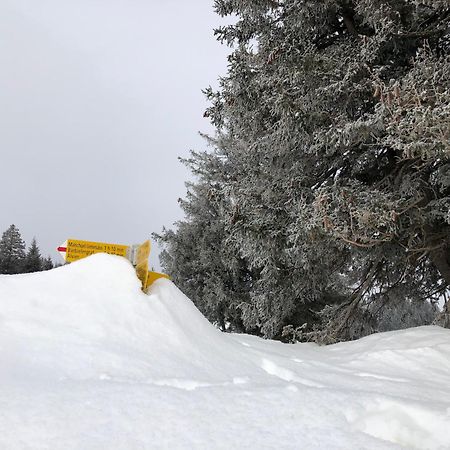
33 258
47 263
12 251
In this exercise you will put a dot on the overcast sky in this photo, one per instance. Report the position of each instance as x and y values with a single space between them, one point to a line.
98 98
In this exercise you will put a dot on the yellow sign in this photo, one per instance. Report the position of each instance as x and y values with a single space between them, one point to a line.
142 254
153 276
74 249
77 249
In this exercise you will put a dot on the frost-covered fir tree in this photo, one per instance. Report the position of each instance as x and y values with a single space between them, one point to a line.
33 259
330 170
198 257
12 251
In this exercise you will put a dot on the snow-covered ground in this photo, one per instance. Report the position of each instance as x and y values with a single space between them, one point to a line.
87 361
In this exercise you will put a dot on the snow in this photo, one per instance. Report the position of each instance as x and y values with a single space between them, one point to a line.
88 361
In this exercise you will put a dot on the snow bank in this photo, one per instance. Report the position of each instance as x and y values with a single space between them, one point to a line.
89 361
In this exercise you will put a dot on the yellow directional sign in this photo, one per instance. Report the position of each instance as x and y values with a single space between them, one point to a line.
77 249
74 249
153 276
142 254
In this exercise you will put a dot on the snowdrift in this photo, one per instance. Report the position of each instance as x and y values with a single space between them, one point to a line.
89 361
90 319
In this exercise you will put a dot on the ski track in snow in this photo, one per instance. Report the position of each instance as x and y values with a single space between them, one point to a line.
87 361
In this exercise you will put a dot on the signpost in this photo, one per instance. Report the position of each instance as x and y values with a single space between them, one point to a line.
75 249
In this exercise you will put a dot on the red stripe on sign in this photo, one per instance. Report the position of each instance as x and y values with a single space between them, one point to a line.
62 249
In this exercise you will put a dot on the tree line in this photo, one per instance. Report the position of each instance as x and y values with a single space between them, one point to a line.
322 209
15 258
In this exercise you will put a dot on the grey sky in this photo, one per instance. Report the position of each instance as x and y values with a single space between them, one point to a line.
98 98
